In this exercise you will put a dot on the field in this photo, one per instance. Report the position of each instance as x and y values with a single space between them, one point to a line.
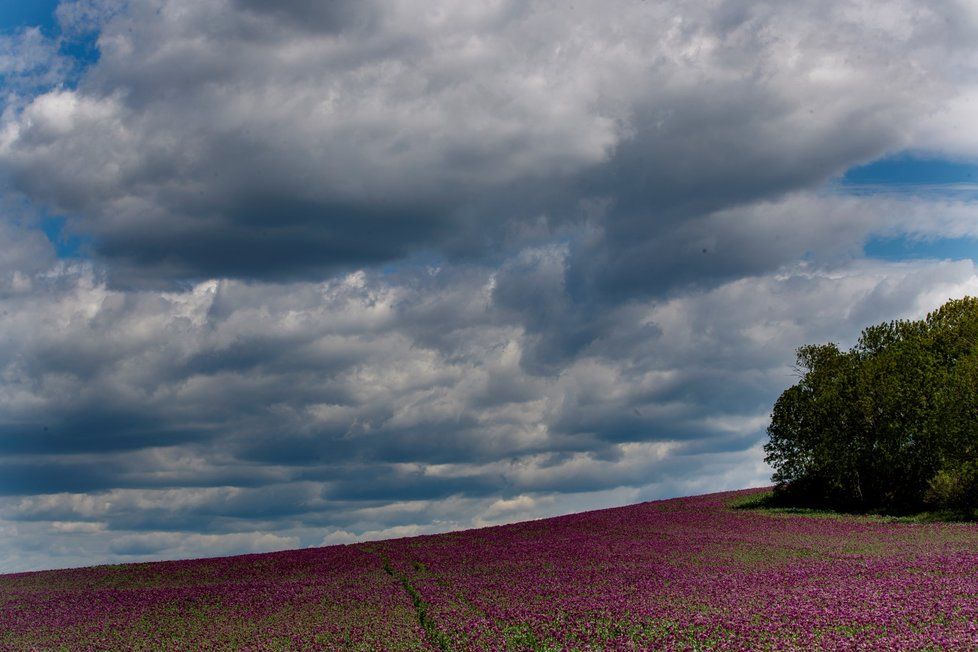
685 574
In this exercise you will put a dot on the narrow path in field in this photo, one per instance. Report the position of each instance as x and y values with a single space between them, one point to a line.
436 636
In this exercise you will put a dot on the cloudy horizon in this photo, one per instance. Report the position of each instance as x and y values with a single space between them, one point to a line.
303 273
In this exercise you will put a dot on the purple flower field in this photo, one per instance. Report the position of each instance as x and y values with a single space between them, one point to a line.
683 574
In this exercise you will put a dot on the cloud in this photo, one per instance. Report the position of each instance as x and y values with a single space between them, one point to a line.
342 536
234 407
26 252
230 138
30 63
358 269
200 545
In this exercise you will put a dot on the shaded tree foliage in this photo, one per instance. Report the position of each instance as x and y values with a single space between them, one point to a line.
891 424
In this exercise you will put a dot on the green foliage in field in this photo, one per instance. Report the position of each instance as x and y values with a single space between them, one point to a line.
891 424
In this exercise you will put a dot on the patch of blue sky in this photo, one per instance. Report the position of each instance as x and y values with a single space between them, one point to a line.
17 14
84 51
910 174
907 173
66 244
907 247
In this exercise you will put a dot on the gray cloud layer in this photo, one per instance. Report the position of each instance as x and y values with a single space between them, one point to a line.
225 138
364 403
363 269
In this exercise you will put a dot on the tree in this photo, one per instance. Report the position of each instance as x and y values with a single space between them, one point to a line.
891 424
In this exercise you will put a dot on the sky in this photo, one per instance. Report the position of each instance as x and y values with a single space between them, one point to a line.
279 275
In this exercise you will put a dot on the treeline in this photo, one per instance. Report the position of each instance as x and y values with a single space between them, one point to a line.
890 425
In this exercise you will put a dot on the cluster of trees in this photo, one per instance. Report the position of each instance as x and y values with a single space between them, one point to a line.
890 425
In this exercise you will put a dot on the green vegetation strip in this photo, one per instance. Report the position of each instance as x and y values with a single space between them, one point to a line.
435 635
771 504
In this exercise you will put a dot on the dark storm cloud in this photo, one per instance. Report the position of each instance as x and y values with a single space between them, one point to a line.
43 475
92 428
332 16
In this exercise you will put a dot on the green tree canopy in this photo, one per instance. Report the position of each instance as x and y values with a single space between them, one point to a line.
891 424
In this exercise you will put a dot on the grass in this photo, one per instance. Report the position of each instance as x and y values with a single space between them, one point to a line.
769 503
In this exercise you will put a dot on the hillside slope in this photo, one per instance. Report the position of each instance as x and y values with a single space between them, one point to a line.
689 573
